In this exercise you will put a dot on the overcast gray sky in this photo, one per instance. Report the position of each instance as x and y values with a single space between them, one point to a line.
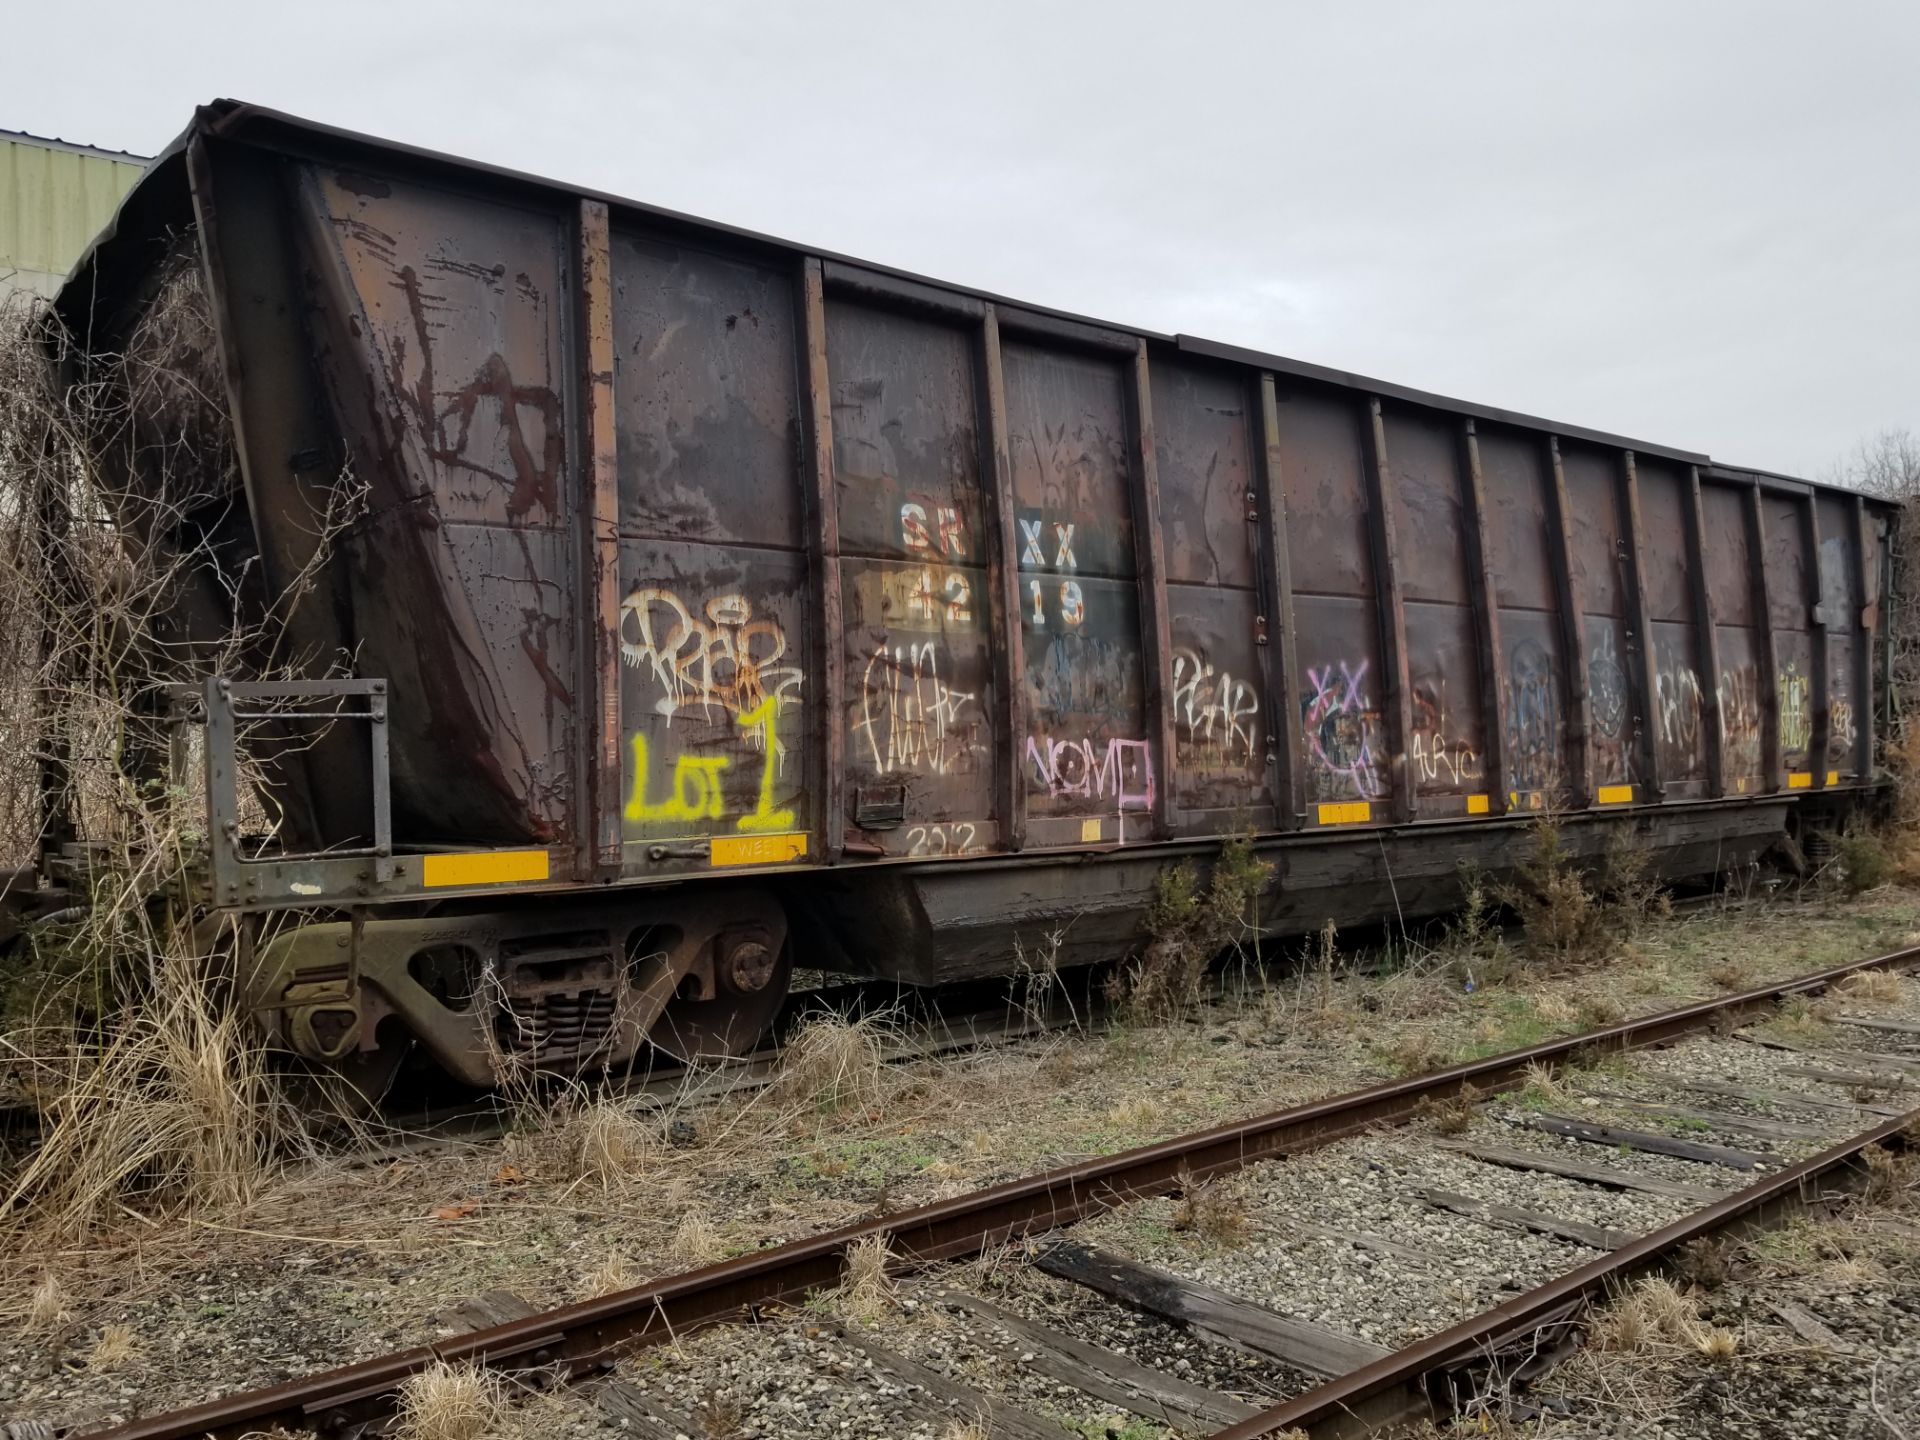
1691 221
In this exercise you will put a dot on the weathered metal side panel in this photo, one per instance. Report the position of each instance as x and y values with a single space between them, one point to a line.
1090 764
1204 446
1602 579
1680 715
717 703
452 370
1345 764
1730 566
1533 681
916 583
1447 738
1842 600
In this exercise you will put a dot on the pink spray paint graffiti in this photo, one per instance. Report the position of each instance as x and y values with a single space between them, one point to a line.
1116 771
1346 754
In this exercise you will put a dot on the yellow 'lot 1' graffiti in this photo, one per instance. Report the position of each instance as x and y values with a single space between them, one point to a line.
694 793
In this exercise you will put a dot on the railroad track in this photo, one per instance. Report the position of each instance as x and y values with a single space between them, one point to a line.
1498 1236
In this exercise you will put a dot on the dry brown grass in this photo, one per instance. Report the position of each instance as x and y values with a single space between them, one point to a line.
1706 1263
1731 976
835 1064
155 1096
116 1348
696 1241
1799 1021
1656 1316
611 1144
1596 1012
1137 1114
177 1106
614 1274
866 1292
451 1402
47 1304
1451 1116
1215 1210
720 1416
1416 1053
1652 1312
1872 987
1891 1176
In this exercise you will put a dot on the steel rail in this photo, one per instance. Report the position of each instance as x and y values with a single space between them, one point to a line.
1392 1388
587 1337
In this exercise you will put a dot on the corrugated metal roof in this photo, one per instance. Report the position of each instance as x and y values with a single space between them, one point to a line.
55 196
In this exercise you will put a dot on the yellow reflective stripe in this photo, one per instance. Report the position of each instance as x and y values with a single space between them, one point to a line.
1478 804
1833 777
1799 780
757 849
1614 795
484 867
1347 812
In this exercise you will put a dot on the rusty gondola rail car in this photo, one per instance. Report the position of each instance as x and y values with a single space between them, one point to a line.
713 588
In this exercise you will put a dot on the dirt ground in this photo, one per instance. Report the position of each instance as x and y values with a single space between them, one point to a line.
350 1255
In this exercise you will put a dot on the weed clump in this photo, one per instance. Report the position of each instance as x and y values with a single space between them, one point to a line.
570 1135
1571 913
450 1402
835 1063
1472 950
1864 862
1877 987
1188 927
866 1291
1211 1209
1452 1116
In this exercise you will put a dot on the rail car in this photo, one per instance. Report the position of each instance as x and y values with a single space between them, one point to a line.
720 603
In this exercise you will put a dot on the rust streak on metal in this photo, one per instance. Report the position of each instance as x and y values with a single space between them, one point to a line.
1646 675
1483 595
1769 657
1863 648
823 547
600 474
1157 662
1284 738
585 1335
1818 622
1390 606
1010 667
1573 630
1707 641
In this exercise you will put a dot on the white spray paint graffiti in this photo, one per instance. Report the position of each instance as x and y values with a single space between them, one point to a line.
911 718
1680 708
1214 711
1119 771
727 661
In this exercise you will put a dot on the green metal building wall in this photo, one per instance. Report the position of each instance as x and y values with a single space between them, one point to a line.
54 198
